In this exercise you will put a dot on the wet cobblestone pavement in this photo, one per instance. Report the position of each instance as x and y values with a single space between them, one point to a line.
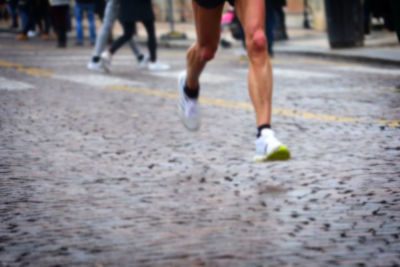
96 170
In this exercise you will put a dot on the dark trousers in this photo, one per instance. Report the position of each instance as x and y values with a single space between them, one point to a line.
269 25
32 16
281 22
130 29
395 6
59 15
43 17
12 7
151 39
99 8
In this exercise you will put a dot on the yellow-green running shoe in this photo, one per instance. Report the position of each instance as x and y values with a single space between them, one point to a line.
269 148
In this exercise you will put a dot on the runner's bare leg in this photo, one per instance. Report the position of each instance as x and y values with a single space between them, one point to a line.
251 13
207 23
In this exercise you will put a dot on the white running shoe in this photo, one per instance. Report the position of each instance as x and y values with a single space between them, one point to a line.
157 66
144 61
96 66
269 148
106 60
188 109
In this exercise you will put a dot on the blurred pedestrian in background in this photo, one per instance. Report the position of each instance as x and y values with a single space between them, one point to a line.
395 6
59 14
87 7
34 12
270 25
43 18
29 16
22 7
13 9
130 12
182 10
380 9
280 23
230 21
99 9
4 15
110 15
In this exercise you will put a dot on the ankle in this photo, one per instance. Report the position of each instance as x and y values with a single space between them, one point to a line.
192 93
261 128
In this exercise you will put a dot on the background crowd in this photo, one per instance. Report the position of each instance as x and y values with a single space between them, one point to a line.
44 17
53 18
41 17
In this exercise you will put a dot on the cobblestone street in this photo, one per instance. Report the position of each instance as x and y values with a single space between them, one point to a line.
97 170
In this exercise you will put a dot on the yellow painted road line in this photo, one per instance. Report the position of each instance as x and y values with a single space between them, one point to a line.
247 106
227 104
27 70
388 90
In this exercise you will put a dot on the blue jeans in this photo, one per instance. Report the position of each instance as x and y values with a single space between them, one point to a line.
89 10
24 17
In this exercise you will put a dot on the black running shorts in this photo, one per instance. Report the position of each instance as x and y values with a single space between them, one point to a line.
213 3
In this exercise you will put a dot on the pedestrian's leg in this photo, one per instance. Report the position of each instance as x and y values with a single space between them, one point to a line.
3 12
270 25
105 30
78 21
59 19
28 23
135 47
128 33
283 22
24 17
46 18
33 17
367 16
395 7
100 7
69 20
12 7
30 18
151 39
62 37
92 25
40 18
63 25
207 23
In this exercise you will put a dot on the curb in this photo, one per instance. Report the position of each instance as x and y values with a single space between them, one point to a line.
185 44
354 58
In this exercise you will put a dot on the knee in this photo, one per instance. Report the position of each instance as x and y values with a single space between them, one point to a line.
207 53
257 42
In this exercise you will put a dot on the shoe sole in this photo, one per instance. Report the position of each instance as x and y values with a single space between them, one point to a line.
96 69
106 64
279 154
187 126
107 68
